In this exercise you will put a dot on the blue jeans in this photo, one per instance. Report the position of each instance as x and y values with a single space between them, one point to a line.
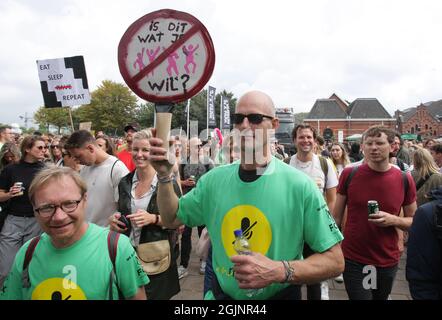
360 285
208 274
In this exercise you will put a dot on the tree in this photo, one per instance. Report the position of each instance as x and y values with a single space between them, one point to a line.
299 117
112 106
145 113
58 117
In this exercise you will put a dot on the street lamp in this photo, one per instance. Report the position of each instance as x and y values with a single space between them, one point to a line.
25 118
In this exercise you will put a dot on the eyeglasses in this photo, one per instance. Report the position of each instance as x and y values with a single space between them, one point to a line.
55 146
254 118
48 210
42 147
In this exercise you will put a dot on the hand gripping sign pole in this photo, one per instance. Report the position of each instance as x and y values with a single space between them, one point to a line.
166 57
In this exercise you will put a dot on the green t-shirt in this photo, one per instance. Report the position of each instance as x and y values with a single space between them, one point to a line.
277 213
79 272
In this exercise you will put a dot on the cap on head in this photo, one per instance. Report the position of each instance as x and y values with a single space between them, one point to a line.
134 126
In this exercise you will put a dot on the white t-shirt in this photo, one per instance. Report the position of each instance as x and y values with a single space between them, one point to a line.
141 203
313 170
102 191
339 169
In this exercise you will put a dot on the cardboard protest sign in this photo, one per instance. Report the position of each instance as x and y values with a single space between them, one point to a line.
63 82
166 57
85 126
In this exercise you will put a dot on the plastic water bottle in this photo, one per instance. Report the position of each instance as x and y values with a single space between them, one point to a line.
242 247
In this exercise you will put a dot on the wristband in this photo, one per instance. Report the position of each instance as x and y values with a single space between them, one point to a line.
289 271
165 179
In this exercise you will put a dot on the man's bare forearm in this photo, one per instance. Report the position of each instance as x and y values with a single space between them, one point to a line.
319 266
4 196
404 223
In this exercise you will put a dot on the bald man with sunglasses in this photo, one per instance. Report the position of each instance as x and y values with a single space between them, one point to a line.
277 207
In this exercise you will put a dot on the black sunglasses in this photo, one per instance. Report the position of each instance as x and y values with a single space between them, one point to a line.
254 118
41 147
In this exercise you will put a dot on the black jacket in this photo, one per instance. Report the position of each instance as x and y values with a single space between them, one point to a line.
424 253
149 233
164 285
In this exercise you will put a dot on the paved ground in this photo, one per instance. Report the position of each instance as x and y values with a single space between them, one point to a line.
192 285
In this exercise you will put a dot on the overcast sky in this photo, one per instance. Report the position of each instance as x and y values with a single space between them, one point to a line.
296 51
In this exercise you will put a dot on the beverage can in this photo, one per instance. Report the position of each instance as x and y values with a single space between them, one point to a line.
19 185
373 207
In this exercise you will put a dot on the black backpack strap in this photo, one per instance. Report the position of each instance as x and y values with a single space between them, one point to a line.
349 177
112 246
405 182
28 256
112 171
422 181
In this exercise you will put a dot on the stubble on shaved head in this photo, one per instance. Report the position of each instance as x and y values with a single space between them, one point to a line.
257 100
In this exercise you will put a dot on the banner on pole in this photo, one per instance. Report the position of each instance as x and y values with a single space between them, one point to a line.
211 107
225 113
63 82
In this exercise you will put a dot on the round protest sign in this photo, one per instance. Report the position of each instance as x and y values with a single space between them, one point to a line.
166 56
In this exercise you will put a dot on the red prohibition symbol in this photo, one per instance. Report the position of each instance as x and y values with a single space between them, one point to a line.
166 56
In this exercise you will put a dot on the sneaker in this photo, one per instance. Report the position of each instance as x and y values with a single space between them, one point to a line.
203 267
182 272
324 291
339 279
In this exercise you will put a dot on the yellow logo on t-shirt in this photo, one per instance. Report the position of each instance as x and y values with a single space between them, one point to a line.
254 225
58 289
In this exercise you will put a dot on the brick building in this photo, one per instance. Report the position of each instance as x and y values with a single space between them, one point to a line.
348 119
424 120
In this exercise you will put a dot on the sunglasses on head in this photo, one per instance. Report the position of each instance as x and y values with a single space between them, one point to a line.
254 118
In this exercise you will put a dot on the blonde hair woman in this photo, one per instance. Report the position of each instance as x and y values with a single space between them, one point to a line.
137 204
425 174
339 157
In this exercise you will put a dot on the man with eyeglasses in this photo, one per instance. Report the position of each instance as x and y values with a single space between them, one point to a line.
277 207
20 224
70 260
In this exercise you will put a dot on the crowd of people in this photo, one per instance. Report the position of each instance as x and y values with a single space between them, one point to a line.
92 217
